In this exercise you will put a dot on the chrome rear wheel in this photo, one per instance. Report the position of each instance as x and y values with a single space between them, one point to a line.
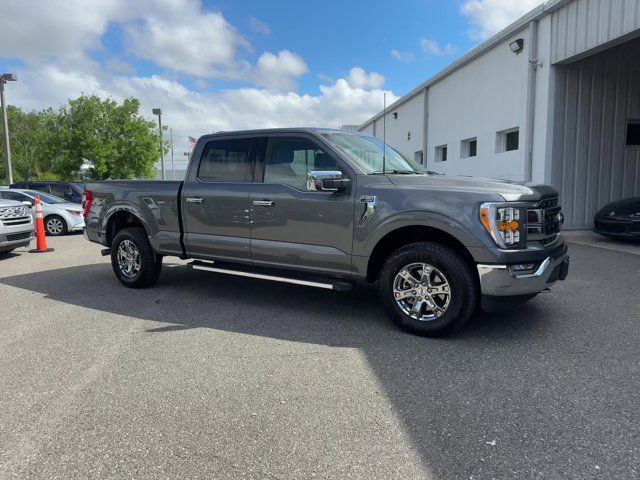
128 259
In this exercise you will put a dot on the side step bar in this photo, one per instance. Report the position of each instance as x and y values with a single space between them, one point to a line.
317 282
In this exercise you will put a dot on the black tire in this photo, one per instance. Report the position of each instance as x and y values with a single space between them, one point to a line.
461 283
149 264
55 226
6 253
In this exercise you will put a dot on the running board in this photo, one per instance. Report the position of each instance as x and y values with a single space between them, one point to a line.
317 282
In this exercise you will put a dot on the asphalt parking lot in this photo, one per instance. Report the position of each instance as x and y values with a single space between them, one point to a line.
207 376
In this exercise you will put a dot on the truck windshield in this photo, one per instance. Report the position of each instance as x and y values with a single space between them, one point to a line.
367 152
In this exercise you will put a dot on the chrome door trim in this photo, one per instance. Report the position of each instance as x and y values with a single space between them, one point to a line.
264 203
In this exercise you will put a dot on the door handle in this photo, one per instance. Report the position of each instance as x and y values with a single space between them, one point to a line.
194 199
264 203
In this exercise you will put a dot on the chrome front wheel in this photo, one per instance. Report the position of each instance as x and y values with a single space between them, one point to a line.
422 291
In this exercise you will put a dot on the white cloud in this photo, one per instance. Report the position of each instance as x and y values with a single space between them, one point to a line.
38 28
120 66
490 16
404 57
259 26
279 72
358 78
52 40
431 47
335 104
180 36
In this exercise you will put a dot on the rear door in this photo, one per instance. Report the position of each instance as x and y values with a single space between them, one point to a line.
292 227
215 199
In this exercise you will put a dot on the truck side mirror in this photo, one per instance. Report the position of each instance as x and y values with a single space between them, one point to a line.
327 181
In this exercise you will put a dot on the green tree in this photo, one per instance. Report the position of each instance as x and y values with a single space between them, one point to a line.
114 137
52 145
33 146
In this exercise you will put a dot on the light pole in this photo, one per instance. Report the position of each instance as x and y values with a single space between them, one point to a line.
4 78
158 112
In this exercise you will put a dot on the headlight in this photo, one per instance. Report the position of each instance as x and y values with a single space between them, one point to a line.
75 212
505 224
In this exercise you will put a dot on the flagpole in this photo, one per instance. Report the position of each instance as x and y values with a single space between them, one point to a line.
173 167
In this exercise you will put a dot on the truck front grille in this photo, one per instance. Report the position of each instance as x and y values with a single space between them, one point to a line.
15 215
544 220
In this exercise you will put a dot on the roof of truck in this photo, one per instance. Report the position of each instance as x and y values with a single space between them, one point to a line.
315 130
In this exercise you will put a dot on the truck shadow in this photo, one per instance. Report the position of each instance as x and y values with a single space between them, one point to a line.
193 299
455 396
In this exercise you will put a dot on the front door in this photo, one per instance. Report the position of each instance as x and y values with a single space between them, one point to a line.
215 200
292 227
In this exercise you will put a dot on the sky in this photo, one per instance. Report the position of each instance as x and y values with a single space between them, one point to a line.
231 64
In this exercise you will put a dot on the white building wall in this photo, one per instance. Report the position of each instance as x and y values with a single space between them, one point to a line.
582 25
482 98
489 94
544 107
368 129
405 132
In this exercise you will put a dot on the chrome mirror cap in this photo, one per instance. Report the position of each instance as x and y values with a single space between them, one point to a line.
326 181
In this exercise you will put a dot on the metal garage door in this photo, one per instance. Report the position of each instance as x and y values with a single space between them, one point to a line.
595 99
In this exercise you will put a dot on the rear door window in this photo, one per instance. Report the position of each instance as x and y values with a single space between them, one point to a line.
9 195
227 161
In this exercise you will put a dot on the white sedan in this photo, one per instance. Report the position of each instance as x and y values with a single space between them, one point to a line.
60 216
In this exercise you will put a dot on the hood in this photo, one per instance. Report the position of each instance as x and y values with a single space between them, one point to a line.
508 190
628 206
10 203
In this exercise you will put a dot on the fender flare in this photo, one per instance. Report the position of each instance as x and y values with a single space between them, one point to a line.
116 209
433 220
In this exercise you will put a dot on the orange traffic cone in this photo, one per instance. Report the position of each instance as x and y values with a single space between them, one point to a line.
41 240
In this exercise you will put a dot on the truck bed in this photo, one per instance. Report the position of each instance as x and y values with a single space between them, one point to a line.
155 202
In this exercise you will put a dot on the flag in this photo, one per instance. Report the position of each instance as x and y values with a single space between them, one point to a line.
191 142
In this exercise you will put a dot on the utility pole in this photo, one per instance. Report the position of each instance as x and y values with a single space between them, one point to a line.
4 78
158 112
173 168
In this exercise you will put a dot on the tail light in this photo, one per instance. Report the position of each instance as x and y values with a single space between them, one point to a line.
86 203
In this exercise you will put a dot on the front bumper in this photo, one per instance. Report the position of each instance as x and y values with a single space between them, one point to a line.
77 227
500 281
617 228
13 240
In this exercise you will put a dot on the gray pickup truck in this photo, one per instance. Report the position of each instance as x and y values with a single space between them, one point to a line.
328 208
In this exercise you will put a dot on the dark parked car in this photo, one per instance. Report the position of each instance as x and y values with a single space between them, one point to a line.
619 219
70 191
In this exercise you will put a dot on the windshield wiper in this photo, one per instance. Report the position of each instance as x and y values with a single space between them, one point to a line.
396 172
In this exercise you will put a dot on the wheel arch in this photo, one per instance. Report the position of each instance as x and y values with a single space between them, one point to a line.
407 235
118 220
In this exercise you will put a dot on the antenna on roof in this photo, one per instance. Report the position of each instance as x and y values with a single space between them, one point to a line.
384 132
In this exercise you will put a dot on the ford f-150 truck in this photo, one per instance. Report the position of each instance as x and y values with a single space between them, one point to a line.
328 208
